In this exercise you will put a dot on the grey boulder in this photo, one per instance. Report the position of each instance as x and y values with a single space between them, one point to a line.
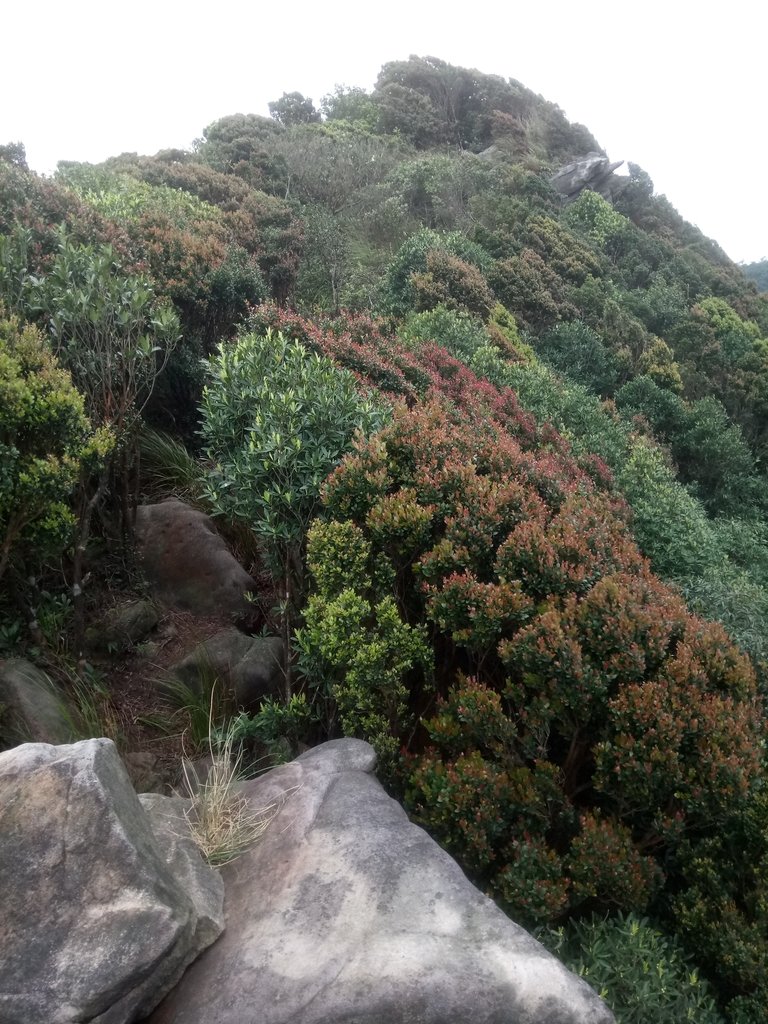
251 668
187 562
123 626
33 708
167 816
145 771
594 172
348 912
96 924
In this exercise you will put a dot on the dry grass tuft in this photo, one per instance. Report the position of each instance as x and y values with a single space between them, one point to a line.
221 821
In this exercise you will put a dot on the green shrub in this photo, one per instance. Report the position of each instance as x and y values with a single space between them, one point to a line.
670 525
594 217
569 406
451 282
734 599
721 565
532 290
658 363
641 973
722 914
577 352
46 446
276 419
606 869
357 642
710 452
605 738
107 328
458 332
277 728
454 253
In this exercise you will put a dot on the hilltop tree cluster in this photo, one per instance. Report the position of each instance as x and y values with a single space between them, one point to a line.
503 456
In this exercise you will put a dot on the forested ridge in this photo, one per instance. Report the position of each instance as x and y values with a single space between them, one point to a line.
501 455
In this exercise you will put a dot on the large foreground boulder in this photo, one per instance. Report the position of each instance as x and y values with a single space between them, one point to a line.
347 912
97 922
187 562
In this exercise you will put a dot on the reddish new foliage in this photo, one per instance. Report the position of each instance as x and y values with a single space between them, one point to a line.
43 207
603 723
368 349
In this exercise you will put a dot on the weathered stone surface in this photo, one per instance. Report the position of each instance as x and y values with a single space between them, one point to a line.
146 772
123 626
347 912
595 172
34 709
204 887
252 667
94 925
188 564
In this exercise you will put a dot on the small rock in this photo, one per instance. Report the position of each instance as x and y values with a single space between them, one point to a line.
125 625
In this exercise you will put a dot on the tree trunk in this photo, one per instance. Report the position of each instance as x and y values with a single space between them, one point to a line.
288 632
87 506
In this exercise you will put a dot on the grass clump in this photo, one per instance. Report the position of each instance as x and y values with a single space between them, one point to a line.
205 705
168 468
221 820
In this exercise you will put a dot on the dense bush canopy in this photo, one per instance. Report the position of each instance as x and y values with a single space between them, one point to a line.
518 442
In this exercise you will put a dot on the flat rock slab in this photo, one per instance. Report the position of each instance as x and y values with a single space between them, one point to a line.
347 913
98 922
187 562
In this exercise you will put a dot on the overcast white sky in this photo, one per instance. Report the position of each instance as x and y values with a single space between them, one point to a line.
678 86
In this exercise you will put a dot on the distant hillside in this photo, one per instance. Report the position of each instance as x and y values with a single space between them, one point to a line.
757 272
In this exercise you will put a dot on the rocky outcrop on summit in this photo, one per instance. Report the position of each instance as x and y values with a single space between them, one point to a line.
188 564
98 921
347 912
594 172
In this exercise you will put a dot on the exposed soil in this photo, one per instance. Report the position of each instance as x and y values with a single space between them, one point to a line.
129 706
148 729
